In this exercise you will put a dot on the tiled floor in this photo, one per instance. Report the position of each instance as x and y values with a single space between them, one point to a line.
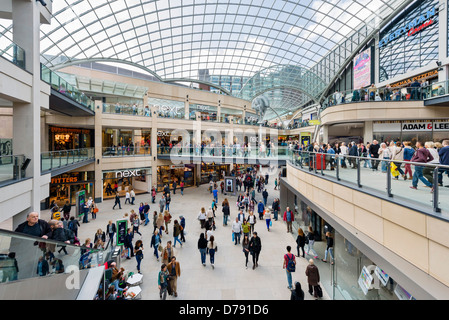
229 280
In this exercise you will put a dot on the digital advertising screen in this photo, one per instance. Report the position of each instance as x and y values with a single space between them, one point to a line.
362 69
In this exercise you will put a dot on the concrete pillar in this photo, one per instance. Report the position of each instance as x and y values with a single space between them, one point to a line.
26 116
154 113
368 132
325 135
98 149
443 75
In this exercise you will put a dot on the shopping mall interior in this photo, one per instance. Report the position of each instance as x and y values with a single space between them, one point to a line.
127 124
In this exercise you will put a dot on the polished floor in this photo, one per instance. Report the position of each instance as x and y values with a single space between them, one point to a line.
230 279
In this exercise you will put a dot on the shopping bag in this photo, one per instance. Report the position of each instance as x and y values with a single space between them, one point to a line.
233 237
394 170
271 223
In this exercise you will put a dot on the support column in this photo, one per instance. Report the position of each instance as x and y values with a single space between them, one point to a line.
98 149
154 113
368 132
26 116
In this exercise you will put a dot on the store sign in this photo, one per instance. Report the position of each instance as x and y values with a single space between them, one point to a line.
441 126
69 130
417 126
163 133
64 180
411 28
406 82
167 108
127 173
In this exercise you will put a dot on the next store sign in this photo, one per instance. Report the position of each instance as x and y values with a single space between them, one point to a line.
411 28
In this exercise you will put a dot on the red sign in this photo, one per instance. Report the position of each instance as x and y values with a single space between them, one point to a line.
421 27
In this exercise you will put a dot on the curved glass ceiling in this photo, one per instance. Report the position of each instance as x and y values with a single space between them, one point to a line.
182 38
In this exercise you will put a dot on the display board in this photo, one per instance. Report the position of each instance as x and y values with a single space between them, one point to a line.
362 69
80 201
122 230
230 185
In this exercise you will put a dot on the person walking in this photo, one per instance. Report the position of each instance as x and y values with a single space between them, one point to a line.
167 220
74 225
146 212
267 216
138 252
276 207
167 253
136 224
226 212
265 197
174 272
181 186
153 195
329 248
155 242
127 197
66 210
275 184
117 201
174 185
260 209
246 228
313 278
132 194
255 246
162 203
212 247
421 155
162 281
167 202
408 155
202 246
297 293
374 152
289 218
252 220
236 230
289 266
202 217
160 223
310 242
176 233
300 242
182 222
128 243
245 248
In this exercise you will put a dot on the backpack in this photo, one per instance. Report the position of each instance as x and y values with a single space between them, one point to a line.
291 266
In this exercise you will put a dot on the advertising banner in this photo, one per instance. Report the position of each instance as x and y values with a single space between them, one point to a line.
362 69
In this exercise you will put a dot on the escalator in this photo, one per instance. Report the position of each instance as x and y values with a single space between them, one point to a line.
33 268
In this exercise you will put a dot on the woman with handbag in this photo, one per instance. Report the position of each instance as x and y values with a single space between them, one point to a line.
245 248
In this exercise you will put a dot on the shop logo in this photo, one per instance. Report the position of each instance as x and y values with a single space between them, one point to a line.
127 173
163 134
411 28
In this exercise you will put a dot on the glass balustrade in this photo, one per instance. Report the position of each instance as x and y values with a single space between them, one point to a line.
11 168
62 86
382 177
127 151
233 152
23 257
13 53
57 159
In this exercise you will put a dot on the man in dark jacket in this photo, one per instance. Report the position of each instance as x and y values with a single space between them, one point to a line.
374 152
34 226
226 214
60 234
111 230
66 210
129 242
444 160
265 197
255 246
276 208
353 152
421 155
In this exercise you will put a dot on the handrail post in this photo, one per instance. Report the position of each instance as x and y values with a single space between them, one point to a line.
337 167
435 189
357 161
389 179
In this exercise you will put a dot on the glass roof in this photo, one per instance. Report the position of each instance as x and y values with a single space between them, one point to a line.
179 39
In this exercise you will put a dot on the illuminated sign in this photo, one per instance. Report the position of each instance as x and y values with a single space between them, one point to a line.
411 28
427 75
127 173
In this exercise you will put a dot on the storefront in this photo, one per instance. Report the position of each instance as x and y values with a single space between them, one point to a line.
208 113
70 138
123 142
168 108
285 140
166 175
240 169
423 130
226 113
65 186
213 171
122 180
354 275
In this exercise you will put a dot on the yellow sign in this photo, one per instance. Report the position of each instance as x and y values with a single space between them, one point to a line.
314 122
424 76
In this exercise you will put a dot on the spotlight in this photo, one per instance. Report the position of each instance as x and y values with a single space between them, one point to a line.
439 63
42 2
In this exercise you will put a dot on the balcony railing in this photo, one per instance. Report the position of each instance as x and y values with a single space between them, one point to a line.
65 88
232 152
11 168
13 53
382 177
57 159
129 109
126 151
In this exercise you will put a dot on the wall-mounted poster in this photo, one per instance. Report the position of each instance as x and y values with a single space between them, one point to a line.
122 230
362 69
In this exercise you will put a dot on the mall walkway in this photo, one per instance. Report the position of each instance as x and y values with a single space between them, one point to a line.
229 280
